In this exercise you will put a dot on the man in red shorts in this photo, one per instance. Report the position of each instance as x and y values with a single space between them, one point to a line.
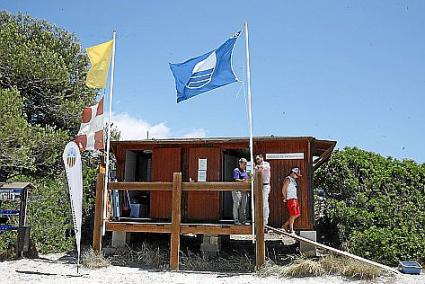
290 197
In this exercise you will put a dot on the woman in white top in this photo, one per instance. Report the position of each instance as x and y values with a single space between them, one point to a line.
290 197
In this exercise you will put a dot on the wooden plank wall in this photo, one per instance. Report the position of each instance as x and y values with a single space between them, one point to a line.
279 170
165 162
204 205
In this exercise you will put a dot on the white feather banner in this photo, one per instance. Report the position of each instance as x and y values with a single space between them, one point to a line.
72 161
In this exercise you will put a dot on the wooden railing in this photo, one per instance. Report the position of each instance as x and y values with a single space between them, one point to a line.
176 227
186 186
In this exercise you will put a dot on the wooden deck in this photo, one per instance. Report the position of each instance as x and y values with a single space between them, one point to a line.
176 228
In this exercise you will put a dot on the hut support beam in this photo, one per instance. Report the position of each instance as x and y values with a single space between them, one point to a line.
175 221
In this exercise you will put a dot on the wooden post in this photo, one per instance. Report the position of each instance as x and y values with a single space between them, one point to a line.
22 244
259 222
175 221
98 210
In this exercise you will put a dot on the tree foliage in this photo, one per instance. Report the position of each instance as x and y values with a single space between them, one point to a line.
376 204
15 152
42 95
24 148
44 65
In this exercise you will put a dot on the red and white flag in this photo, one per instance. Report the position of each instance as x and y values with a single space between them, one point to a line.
90 135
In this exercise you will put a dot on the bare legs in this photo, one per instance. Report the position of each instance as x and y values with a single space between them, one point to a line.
289 224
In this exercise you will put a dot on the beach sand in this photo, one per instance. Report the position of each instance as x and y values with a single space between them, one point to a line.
55 268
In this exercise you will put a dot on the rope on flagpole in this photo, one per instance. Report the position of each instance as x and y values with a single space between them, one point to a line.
242 84
246 104
242 87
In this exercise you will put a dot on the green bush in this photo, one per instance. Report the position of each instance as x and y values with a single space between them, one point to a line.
389 245
49 214
50 218
375 204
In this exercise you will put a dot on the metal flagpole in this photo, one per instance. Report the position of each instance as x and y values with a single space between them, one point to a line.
108 137
251 143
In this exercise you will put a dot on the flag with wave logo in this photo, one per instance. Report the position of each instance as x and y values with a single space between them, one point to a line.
206 72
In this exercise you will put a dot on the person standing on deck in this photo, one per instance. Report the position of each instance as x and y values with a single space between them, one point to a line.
264 168
240 198
290 197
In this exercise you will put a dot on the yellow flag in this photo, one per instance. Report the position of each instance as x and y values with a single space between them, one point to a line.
100 58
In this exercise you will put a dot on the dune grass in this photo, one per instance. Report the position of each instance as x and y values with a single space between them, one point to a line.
154 256
92 260
235 263
329 265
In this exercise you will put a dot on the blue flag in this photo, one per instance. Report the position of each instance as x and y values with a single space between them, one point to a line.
206 72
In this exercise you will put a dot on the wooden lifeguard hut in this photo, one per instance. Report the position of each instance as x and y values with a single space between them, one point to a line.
181 186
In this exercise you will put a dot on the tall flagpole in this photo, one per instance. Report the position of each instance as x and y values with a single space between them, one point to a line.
251 143
108 137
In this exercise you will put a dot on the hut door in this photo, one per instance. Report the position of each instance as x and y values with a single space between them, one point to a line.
165 162
204 205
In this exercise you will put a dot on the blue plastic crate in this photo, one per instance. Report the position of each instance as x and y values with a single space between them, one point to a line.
410 267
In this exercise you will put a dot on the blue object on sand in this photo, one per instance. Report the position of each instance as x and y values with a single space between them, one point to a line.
410 267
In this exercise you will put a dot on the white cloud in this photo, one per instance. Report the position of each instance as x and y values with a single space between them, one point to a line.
196 133
135 128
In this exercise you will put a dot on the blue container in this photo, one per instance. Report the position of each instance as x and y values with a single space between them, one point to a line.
410 267
135 210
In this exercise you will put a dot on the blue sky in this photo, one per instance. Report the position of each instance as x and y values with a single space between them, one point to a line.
351 71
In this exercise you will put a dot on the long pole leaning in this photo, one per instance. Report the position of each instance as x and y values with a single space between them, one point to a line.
251 143
108 137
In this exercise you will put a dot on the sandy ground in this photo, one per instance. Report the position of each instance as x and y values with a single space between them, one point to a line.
53 268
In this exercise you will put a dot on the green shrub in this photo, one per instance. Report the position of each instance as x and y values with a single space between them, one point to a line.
389 245
49 214
7 245
375 204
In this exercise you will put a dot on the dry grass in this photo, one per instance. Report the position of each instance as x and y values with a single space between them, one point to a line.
93 260
360 270
8 254
155 256
304 268
299 268
146 255
234 263
329 265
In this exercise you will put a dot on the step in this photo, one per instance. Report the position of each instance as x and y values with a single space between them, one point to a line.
270 236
